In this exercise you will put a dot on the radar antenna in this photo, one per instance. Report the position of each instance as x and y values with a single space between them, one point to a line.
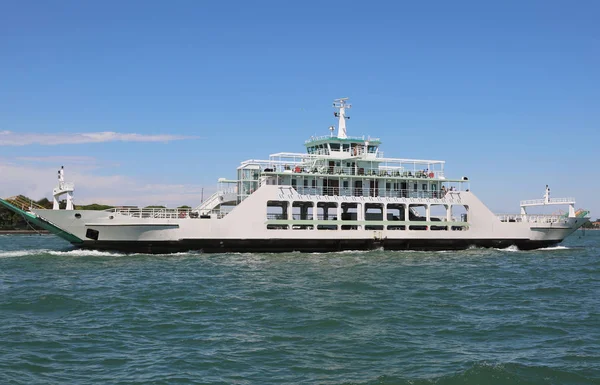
341 105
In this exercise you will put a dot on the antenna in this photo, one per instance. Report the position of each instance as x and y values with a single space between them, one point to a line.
331 129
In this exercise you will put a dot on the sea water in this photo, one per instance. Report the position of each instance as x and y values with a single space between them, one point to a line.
479 316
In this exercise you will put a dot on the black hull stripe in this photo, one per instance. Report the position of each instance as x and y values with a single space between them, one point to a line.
307 245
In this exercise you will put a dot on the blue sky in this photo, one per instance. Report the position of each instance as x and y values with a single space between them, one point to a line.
506 92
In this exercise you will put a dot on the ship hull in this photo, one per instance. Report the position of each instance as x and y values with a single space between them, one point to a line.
308 245
248 228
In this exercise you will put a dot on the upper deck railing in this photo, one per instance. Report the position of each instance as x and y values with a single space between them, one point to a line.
66 185
539 202
328 137
370 192
381 171
531 218
161 213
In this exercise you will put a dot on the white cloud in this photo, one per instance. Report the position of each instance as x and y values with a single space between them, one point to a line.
37 182
9 138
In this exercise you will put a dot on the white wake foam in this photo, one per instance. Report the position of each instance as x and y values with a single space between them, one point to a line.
510 249
21 253
554 248
86 253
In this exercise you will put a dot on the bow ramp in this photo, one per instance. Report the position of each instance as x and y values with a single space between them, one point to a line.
23 206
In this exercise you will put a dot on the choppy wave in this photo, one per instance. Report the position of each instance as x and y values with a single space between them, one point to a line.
484 373
479 316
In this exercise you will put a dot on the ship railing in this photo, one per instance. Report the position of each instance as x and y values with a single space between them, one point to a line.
383 171
327 137
531 218
333 217
66 185
165 213
532 202
371 192
23 203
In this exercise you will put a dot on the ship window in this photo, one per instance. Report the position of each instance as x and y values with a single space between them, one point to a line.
417 213
305 182
358 188
326 227
302 211
395 212
438 213
294 183
327 211
277 227
346 147
460 213
334 146
350 213
373 212
302 227
92 234
277 210
372 149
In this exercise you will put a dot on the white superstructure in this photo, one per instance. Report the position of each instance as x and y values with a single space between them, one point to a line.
342 193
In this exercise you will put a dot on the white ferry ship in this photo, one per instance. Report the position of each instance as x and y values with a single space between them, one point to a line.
341 194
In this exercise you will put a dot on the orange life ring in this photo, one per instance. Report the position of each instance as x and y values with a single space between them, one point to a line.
431 175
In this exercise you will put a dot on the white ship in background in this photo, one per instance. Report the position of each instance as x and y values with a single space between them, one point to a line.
341 194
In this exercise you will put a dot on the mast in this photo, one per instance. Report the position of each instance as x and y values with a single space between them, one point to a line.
341 104
63 188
